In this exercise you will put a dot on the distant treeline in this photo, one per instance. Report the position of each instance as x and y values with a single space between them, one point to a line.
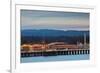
49 39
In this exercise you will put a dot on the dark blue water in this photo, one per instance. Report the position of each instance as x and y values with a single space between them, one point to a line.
55 58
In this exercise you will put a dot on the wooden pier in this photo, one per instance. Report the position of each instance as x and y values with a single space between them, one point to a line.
56 52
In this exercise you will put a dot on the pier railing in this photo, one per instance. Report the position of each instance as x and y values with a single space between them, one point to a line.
55 52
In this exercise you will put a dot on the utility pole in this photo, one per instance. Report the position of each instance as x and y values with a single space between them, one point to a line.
84 40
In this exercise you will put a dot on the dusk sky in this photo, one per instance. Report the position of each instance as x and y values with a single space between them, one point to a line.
35 19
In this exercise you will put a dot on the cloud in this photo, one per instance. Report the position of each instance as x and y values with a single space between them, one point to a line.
55 21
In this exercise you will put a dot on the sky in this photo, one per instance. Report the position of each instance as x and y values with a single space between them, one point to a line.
36 19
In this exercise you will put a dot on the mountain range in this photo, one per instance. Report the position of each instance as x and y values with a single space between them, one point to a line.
52 32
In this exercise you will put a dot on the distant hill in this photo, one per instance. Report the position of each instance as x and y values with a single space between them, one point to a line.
51 32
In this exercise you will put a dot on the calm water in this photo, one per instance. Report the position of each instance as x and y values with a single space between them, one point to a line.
55 58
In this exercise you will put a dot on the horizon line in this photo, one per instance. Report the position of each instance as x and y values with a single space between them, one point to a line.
60 29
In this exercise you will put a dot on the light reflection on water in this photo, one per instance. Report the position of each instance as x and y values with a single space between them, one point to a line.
55 58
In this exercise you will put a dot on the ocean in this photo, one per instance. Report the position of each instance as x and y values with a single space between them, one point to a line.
55 58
